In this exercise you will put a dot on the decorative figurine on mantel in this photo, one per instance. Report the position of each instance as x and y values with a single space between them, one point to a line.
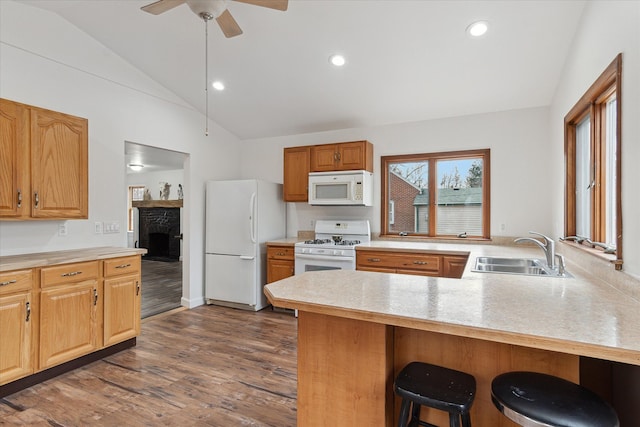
165 189
146 195
180 192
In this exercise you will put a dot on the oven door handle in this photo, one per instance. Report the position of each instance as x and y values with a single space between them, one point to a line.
324 257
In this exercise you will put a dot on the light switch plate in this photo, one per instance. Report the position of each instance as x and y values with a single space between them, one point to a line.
111 227
62 229
97 228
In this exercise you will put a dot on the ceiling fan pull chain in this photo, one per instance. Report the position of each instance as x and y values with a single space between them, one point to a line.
206 76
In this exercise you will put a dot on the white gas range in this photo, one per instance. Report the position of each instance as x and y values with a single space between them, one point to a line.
333 247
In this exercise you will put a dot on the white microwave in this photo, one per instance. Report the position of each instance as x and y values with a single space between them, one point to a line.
342 188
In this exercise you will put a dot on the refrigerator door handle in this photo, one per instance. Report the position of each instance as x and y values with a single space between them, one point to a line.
247 257
252 222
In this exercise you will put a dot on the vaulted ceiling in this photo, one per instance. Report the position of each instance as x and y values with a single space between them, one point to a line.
406 60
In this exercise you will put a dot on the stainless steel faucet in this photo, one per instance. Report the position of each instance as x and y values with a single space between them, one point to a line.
549 247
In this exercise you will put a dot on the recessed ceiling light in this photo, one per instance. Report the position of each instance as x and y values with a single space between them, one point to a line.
218 85
135 166
337 60
478 29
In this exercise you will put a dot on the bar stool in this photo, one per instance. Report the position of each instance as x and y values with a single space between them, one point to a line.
422 384
532 399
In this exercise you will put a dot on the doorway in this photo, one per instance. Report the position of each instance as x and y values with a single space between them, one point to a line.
155 201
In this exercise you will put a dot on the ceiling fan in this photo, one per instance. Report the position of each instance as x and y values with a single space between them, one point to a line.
208 10
214 9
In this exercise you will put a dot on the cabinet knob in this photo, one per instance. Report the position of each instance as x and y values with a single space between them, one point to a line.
37 199
420 262
8 282
19 198
95 296
137 288
123 265
28 307
373 259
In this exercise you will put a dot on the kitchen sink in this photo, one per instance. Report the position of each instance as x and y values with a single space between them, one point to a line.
526 266
515 262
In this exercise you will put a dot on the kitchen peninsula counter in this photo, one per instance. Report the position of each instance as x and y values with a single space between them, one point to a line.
357 330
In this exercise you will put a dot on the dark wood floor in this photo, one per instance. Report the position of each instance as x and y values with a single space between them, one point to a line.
161 286
209 366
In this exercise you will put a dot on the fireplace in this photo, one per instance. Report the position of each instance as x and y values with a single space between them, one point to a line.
159 233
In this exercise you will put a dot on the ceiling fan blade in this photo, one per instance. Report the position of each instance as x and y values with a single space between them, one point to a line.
162 6
271 4
228 25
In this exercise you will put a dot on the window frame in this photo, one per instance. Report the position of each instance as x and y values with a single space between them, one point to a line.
432 158
594 103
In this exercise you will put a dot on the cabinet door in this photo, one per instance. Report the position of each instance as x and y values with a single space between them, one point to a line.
15 329
296 174
59 172
122 297
68 322
354 156
453 266
278 269
14 160
324 158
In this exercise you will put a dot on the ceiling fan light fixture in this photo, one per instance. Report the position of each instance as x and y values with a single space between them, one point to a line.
217 85
478 28
135 166
337 60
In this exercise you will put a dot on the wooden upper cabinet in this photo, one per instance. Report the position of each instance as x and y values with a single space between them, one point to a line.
44 157
14 159
296 174
59 169
357 155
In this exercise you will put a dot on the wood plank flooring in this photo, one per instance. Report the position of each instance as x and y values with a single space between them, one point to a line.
209 366
161 286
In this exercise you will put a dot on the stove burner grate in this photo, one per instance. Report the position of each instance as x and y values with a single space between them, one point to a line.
317 241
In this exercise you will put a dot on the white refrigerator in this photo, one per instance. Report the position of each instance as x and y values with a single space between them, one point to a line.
241 216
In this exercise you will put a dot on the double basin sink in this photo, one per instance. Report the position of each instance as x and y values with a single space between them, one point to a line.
526 266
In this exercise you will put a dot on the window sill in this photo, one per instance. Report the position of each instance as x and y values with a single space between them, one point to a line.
597 252
419 238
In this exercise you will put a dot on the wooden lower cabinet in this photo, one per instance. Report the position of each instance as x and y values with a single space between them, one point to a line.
417 263
53 315
280 262
122 298
16 322
70 304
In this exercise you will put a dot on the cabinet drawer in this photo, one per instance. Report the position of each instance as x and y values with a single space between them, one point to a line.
68 273
13 281
280 252
399 260
120 266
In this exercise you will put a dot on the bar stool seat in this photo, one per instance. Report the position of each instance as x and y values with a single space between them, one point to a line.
423 384
532 399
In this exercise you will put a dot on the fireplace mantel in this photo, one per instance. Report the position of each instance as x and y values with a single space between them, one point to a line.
157 203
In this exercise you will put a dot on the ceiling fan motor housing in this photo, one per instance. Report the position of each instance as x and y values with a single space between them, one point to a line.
207 9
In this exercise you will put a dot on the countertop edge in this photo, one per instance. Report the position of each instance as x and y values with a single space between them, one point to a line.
44 259
505 337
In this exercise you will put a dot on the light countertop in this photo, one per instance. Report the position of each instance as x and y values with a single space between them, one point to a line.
289 241
580 315
42 259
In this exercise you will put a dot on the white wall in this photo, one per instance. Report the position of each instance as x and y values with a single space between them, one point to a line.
47 62
519 143
606 29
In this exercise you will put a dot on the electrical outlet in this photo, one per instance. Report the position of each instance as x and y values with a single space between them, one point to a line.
62 229
97 228
503 226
